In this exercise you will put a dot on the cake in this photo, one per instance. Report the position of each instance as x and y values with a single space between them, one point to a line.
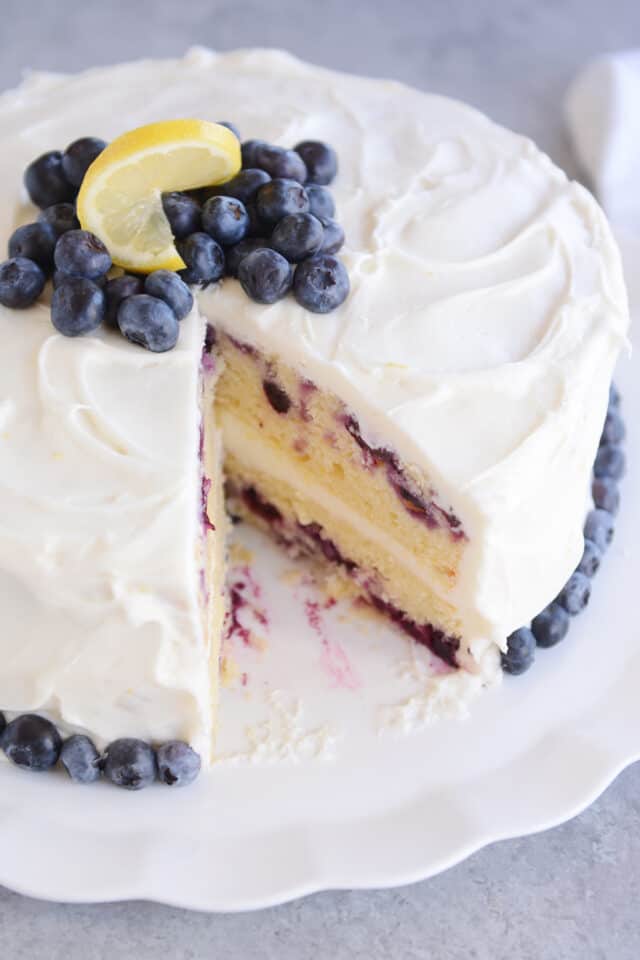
431 440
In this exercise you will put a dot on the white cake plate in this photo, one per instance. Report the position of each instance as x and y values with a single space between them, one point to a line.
335 783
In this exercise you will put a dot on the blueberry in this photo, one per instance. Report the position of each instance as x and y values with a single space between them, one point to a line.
60 217
225 219
279 162
230 126
3 723
58 277
614 396
130 763
178 763
297 236
168 286
79 156
32 742
610 462
248 150
257 226
613 431
35 241
278 198
149 322
574 596
551 626
591 558
333 236
183 214
265 275
606 494
77 307
204 258
321 203
117 290
237 253
244 186
81 759
21 283
321 283
320 160
82 254
46 182
599 527
277 396
521 647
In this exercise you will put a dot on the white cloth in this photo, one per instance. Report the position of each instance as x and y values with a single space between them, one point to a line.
603 116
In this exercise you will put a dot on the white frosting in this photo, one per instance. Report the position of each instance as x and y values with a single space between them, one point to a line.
486 313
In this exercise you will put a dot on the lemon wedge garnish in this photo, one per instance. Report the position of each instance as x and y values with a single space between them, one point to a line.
121 195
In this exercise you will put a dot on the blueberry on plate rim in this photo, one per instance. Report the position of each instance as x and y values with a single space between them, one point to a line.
81 759
520 652
178 763
130 763
32 742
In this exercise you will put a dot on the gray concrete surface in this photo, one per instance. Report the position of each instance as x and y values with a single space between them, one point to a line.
569 894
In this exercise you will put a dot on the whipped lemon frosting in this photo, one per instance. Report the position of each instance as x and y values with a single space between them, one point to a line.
486 312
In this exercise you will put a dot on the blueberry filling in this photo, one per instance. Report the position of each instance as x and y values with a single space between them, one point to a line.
261 507
277 397
427 511
311 538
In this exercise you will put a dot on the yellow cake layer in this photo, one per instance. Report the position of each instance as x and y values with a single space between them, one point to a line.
391 572
213 554
311 437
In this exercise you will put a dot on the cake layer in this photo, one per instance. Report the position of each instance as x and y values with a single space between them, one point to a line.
212 543
312 432
270 492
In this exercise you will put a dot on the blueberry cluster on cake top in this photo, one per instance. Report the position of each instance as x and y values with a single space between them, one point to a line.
272 226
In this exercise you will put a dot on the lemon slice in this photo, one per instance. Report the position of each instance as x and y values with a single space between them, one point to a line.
121 195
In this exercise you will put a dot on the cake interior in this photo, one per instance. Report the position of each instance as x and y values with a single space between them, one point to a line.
211 545
297 465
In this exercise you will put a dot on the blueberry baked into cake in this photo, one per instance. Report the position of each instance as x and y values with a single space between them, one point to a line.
365 319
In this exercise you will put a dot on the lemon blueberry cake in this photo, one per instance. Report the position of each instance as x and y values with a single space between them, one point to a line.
395 342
